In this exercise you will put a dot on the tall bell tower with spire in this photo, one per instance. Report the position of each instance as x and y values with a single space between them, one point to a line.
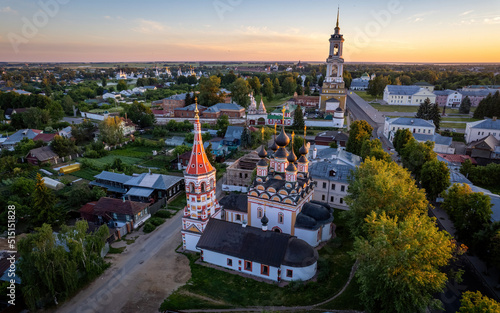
200 181
333 94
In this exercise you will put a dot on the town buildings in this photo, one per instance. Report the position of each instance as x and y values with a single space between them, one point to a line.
481 129
407 95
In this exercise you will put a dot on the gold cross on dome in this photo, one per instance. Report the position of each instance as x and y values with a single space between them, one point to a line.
305 131
293 136
283 111
262 131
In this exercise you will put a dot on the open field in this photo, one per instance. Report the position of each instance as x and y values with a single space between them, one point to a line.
365 95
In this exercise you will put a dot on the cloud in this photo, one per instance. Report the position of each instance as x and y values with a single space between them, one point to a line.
108 17
8 10
419 17
148 27
491 21
466 13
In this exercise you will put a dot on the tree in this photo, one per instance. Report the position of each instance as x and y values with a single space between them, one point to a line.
358 133
376 86
68 105
401 138
381 186
268 89
289 86
298 118
221 125
246 138
488 107
84 131
255 84
104 81
44 200
276 86
465 105
49 272
415 154
435 178
468 210
81 194
373 148
122 85
395 271
430 112
140 114
110 131
180 150
188 100
210 91
56 111
239 92
63 146
475 302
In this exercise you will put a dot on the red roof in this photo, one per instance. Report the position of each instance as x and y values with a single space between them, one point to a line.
110 205
198 163
36 131
88 208
457 158
44 137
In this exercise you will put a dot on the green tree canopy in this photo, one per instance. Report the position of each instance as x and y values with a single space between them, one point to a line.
298 119
43 207
430 112
359 132
210 91
415 154
289 86
240 90
221 125
400 261
268 89
401 138
381 186
435 178
122 85
465 105
63 146
475 302
255 84
373 148
468 210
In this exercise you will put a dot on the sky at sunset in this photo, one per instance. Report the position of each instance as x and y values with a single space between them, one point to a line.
243 30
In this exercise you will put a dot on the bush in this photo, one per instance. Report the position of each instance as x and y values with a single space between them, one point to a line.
148 227
157 221
92 154
163 214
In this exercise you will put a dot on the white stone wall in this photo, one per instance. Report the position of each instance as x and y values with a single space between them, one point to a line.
190 240
238 265
308 235
473 134
299 273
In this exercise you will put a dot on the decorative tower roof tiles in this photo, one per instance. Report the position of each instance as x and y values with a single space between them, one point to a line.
198 164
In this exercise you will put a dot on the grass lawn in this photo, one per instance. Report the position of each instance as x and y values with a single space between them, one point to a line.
270 105
365 96
179 202
395 108
101 162
86 173
133 151
452 125
348 300
113 109
334 266
459 119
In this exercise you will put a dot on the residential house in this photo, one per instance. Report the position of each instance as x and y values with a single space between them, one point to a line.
127 126
276 117
476 96
171 103
449 98
65 132
114 96
41 155
455 161
304 101
11 111
233 136
327 137
174 141
415 125
425 85
115 212
218 147
15 138
487 148
407 95
188 111
46 138
146 187
480 129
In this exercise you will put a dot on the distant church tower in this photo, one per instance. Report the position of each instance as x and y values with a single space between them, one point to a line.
333 94
200 192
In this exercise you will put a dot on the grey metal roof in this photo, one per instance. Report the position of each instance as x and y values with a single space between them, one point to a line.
314 215
228 106
486 124
403 90
19 135
212 109
191 107
174 141
338 156
43 153
108 187
154 181
446 92
115 177
248 243
477 93
410 121
139 192
233 132
458 178
321 170
437 138
181 96
358 82
495 200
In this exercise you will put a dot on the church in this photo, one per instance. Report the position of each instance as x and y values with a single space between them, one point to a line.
270 232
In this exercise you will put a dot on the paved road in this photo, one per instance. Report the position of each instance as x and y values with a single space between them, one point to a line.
104 294
361 110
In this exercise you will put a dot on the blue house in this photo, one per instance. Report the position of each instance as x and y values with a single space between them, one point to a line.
233 136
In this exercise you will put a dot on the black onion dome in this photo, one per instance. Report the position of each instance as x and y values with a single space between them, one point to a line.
303 150
292 157
262 152
274 146
264 220
302 159
291 168
281 153
282 140
262 162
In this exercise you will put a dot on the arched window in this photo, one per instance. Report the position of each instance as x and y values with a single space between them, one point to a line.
281 218
191 187
336 50
259 213
202 187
